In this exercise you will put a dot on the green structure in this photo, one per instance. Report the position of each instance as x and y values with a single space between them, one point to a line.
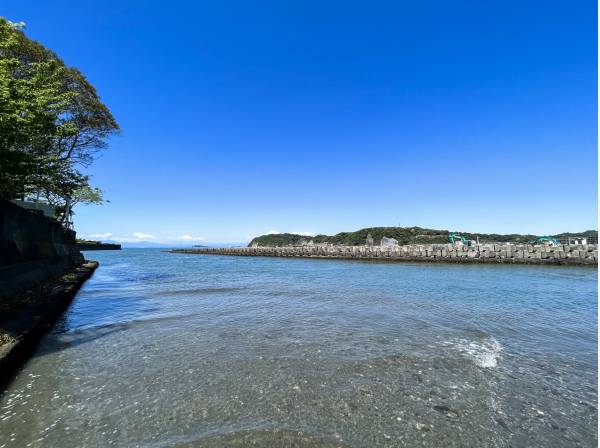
546 240
454 238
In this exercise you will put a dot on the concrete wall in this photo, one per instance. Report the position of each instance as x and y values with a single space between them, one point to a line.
33 248
484 253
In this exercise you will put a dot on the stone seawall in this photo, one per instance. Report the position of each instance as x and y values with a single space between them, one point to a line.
483 253
33 248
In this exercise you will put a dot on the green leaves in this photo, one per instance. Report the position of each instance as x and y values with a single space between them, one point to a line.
51 123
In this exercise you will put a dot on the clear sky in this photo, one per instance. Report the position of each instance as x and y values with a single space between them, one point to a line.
243 117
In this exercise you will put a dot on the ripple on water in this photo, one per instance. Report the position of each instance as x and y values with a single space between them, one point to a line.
308 353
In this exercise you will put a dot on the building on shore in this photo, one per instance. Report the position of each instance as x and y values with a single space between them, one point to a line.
577 240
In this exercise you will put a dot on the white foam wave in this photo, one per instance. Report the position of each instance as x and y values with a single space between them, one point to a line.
484 353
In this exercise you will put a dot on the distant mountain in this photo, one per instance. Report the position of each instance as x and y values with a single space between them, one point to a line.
404 235
136 244
170 245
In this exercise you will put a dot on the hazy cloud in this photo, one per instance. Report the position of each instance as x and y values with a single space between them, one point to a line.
100 235
125 239
143 236
191 238
304 233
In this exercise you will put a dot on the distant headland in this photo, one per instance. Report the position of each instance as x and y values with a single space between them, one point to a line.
97 245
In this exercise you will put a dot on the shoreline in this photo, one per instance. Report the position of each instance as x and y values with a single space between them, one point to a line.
26 317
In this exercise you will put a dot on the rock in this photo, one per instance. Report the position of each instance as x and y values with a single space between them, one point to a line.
388 242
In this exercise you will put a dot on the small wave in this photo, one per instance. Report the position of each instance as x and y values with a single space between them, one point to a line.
484 353
110 327
196 291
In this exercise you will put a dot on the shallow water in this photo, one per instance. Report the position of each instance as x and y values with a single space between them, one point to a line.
180 350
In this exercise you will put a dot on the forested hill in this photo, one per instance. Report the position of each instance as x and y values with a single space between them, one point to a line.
404 235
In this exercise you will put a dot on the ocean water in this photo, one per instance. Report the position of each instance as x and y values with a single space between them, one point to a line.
163 350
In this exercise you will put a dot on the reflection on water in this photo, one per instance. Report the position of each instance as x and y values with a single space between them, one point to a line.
199 351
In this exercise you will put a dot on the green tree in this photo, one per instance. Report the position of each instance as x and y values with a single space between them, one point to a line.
52 122
31 100
76 191
87 123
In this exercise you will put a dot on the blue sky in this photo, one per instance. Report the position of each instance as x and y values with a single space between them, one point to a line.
240 118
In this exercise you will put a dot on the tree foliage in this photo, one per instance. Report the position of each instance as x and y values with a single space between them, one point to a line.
404 235
52 122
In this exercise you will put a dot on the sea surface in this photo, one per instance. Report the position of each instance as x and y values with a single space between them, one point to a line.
174 350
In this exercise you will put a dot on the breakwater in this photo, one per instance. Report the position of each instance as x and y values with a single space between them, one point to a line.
481 253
